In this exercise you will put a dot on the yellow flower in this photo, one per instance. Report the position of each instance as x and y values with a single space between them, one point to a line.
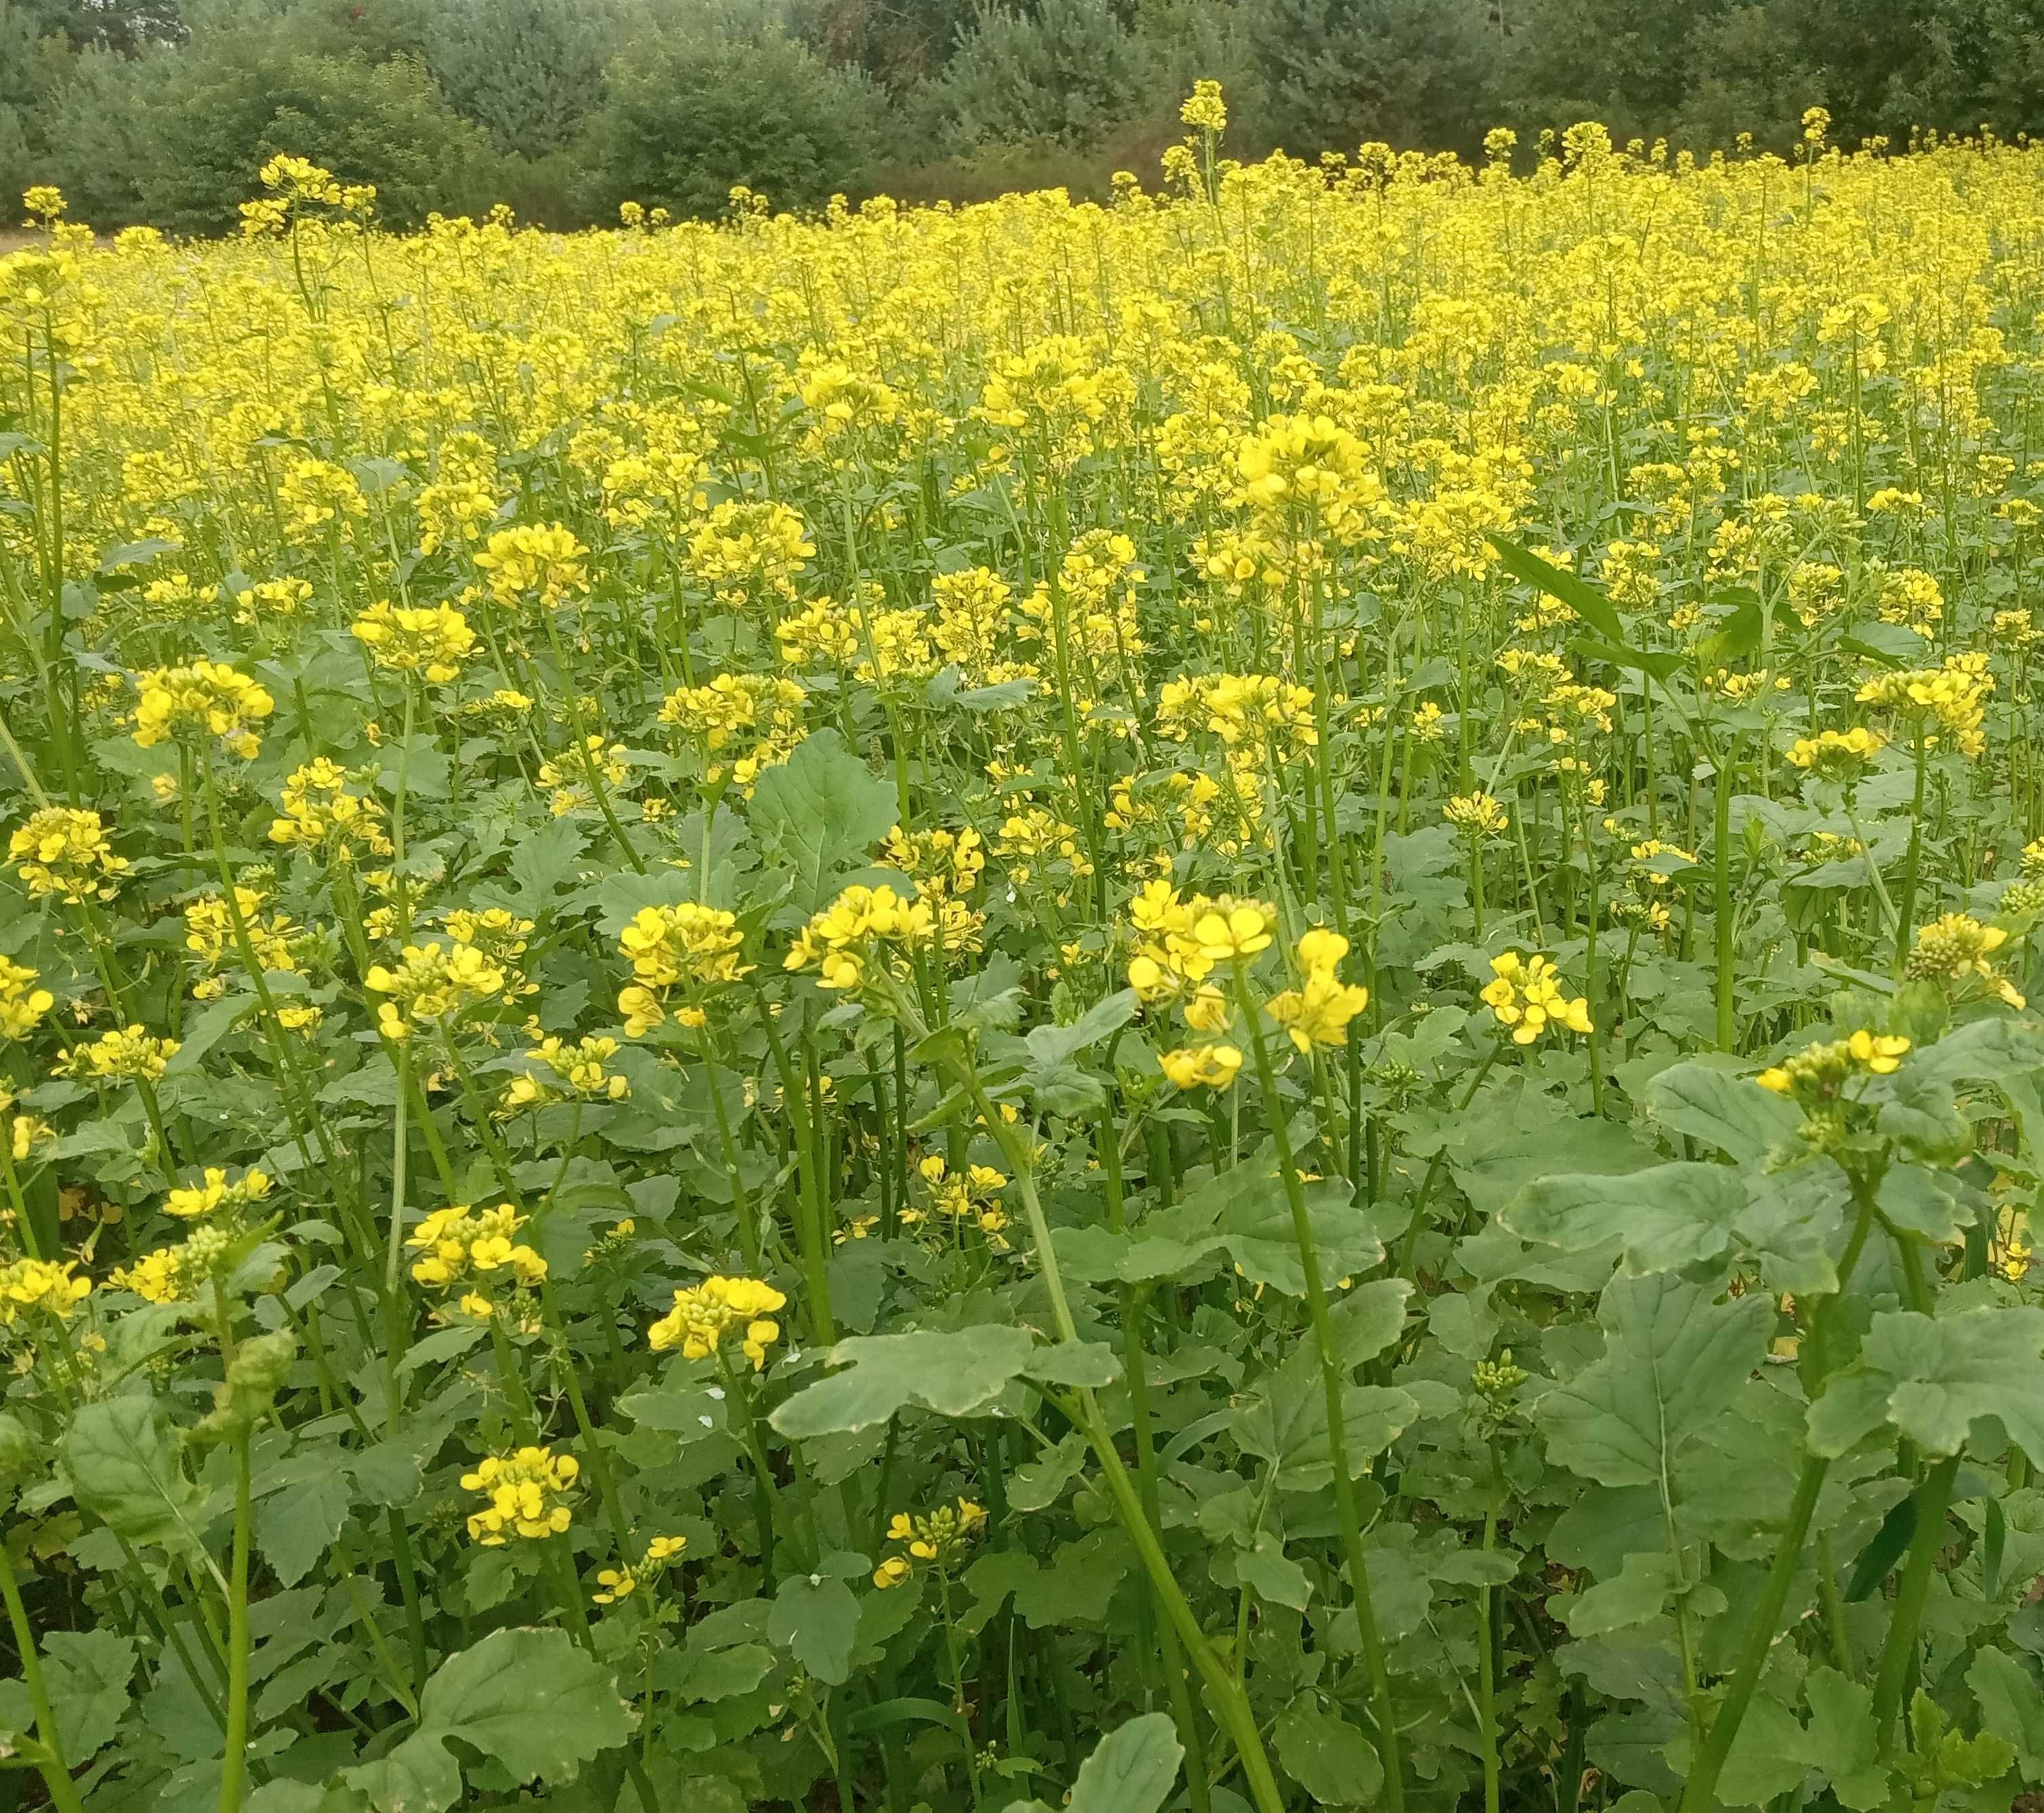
208 697
530 559
432 983
27 1285
1956 948
1201 1067
214 1192
432 641
462 1245
1525 997
22 1004
1476 815
131 1054
63 851
527 1493
702 1316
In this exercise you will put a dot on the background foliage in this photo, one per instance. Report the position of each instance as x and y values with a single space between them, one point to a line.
553 105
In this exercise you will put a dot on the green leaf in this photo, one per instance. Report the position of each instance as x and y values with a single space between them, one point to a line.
1843 1741
1636 1593
529 1700
1245 1214
951 1374
1673 1359
1130 1771
823 808
1667 1216
297 1525
1265 1569
2011 1706
1733 1113
1334 1761
87 1674
1933 1378
123 1461
1578 594
1884 1550
815 1620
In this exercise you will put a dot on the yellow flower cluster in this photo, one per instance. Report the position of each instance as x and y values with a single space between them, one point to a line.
214 1192
432 983
1476 815
687 947
617 1583
208 697
430 641
131 1054
320 812
932 1537
63 851
1817 1075
1955 948
740 723
29 1286
1954 696
970 1196
533 561
703 1314
1239 707
528 1492
1839 756
22 1004
463 1246
1525 996
1317 1012
561 1071
841 942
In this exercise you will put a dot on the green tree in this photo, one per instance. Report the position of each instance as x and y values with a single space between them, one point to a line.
527 71
1412 73
1065 70
687 116
228 106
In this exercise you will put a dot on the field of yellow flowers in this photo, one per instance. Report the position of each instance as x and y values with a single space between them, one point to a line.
1216 1003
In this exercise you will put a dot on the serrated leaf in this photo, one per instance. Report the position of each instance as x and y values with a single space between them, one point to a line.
2011 1706
823 809
296 1526
1934 1377
86 1673
951 1374
124 1468
1673 1359
530 1700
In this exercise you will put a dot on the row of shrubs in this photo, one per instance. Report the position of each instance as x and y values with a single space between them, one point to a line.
160 110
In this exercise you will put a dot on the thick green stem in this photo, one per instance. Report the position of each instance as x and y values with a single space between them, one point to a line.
234 1765
1898 1660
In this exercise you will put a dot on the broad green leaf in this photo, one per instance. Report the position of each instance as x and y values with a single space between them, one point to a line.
1265 1569
531 1701
1843 1741
1934 1377
1731 1112
2011 1706
823 808
1577 593
1334 1761
1244 1214
296 1525
87 1674
815 1620
123 1462
1130 1770
1667 1216
951 1374
1673 1358
1637 1593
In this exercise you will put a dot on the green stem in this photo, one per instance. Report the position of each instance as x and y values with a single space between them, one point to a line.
57 1773
235 1765
1898 1660
1333 1386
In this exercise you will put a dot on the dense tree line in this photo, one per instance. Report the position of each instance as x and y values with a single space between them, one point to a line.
161 110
